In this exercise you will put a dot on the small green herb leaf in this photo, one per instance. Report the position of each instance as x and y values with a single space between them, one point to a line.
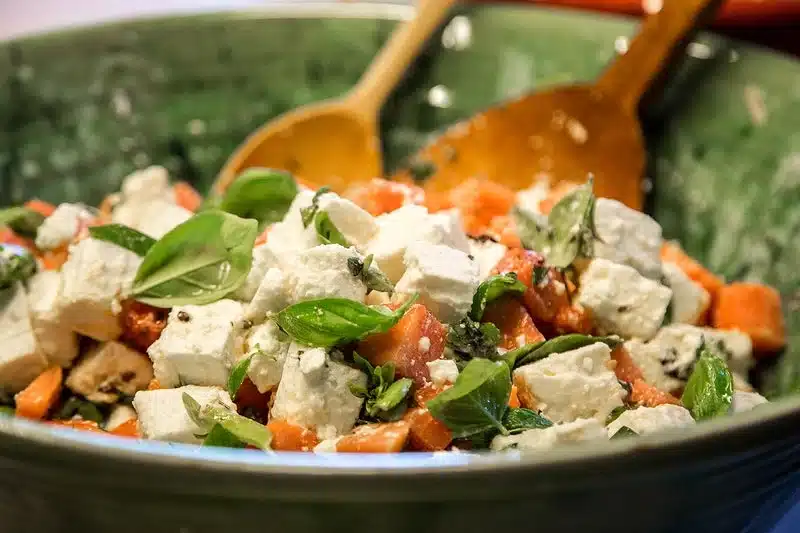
123 236
530 353
17 264
519 419
470 339
493 288
263 194
222 438
238 373
198 262
307 214
386 398
477 400
327 231
624 432
374 279
332 321
615 413
78 406
214 413
709 391
23 221
393 395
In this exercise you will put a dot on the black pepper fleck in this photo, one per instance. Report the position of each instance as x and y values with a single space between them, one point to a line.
183 316
247 324
623 309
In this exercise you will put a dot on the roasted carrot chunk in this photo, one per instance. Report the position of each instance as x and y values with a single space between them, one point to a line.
129 428
525 398
376 438
187 196
626 369
426 434
513 398
672 253
427 393
39 397
522 262
649 396
290 437
416 339
514 322
40 206
504 230
142 324
82 425
380 196
479 201
754 309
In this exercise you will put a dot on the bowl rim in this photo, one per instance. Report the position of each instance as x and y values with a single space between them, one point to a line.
33 441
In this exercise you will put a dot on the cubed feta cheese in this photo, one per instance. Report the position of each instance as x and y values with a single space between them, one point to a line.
290 235
159 217
648 358
55 339
322 272
580 430
628 237
146 184
746 401
445 278
487 254
318 398
162 415
443 371
120 414
20 359
690 300
270 298
199 345
646 420
327 445
623 301
109 370
409 224
264 258
62 226
571 385
93 277
268 346
356 225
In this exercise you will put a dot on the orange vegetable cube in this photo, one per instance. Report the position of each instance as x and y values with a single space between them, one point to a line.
649 396
513 321
672 253
376 438
754 309
426 434
290 437
36 400
187 196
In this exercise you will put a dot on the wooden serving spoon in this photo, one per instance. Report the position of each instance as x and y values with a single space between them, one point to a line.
337 142
567 133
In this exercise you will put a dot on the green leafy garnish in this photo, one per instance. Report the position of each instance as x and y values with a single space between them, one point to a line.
263 194
215 413
123 236
477 400
615 413
570 232
493 288
519 419
327 231
470 339
222 438
78 406
385 397
308 214
198 262
238 374
22 221
17 264
374 279
624 432
530 353
332 321
709 391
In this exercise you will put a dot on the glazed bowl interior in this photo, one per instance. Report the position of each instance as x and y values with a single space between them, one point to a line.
82 108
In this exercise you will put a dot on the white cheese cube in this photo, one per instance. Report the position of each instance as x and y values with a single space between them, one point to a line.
62 226
648 358
94 276
628 237
646 420
264 258
162 415
198 346
746 401
356 225
147 184
20 359
689 299
409 224
55 339
445 278
623 301
580 430
290 235
443 371
268 346
120 414
317 398
270 298
159 217
572 385
487 254
528 200
322 272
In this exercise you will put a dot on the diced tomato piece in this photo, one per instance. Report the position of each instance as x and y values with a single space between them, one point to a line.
187 196
405 345
36 400
290 437
753 309
129 428
142 324
520 261
626 369
514 322
649 396
426 434
380 196
40 206
376 438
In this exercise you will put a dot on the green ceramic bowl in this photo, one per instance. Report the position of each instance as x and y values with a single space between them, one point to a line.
79 110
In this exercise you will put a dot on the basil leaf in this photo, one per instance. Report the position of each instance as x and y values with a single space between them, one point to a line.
23 221
519 419
193 410
385 397
17 264
214 413
123 236
263 194
78 406
615 413
477 400
393 396
709 391
469 339
332 321
530 353
374 279
307 214
327 231
493 288
221 437
624 432
238 374
198 262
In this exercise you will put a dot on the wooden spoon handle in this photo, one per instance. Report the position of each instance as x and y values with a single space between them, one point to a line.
661 38
391 63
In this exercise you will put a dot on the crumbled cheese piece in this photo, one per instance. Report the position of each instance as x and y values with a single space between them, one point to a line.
424 344
264 258
270 298
690 300
55 339
148 203
198 346
62 226
147 184
162 415
443 371
566 387
647 358
290 235
445 278
528 200
580 430
20 359
268 346
327 445
356 225
487 254
159 217
322 272
746 401
676 347
628 237
623 301
94 276
646 420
